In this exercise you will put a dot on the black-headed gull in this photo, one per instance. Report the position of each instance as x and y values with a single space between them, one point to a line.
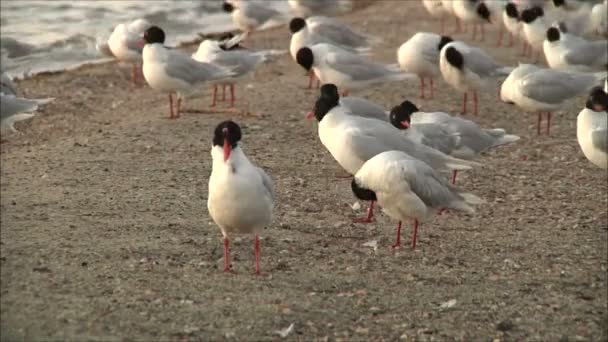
241 61
126 44
307 8
173 71
14 108
575 54
248 16
541 90
599 18
455 136
534 30
241 195
355 105
437 10
407 188
352 140
348 71
512 23
467 69
592 128
319 29
420 55
475 12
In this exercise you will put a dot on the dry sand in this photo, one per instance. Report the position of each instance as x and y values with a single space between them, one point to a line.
106 236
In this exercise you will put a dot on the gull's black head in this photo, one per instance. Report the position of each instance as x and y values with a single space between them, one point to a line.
324 104
153 35
444 40
330 91
361 192
454 57
553 34
511 10
529 15
227 131
296 24
227 7
401 115
305 58
539 11
597 100
483 11
559 3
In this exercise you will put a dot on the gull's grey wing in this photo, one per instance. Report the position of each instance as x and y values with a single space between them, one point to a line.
431 54
588 54
339 34
599 139
479 62
7 87
433 189
258 12
437 137
268 184
183 67
241 61
370 137
11 105
364 108
358 68
553 87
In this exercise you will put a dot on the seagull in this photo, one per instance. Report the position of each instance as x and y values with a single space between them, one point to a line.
599 18
534 29
545 90
510 18
348 71
475 12
420 55
458 137
126 44
407 188
355 105
173 71
318 29
437 10
592 128
574 54
307 8
241 196
242 61
352 140
467 68
248 15
14 108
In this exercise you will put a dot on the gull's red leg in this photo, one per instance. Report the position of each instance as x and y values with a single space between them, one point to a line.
257 254
179 106
226 255
232 98
415 236
214 101
548 123
464 103
370 215
398 242
422 87
454 173
475 102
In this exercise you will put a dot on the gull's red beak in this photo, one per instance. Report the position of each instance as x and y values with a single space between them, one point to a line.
405 124
227 147
141 43
598 108
310 115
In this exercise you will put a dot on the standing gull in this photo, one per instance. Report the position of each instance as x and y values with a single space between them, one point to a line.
173 71
248 16
241 195
126 44
592 128
407 188
14 108
574 53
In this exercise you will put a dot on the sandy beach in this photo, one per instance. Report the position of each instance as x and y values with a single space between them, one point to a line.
105 234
